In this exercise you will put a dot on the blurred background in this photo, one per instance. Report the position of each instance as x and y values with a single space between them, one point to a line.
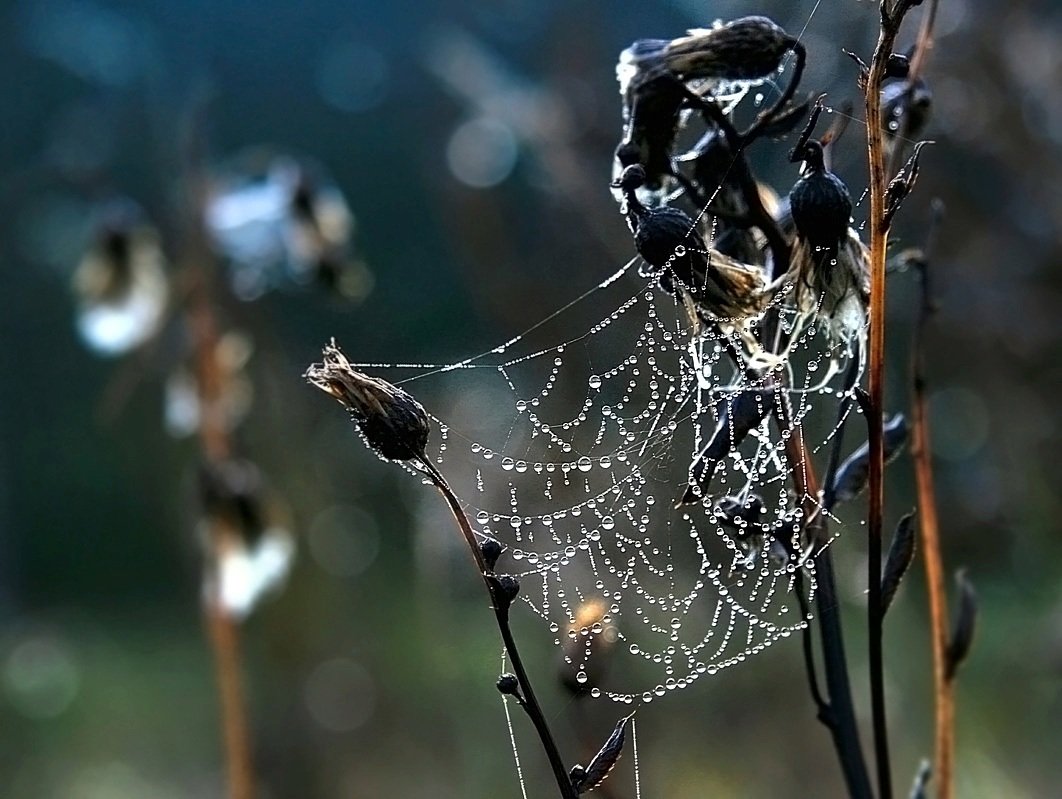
472 143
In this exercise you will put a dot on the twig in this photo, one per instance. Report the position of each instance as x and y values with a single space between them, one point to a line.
943 684
501 612
892 14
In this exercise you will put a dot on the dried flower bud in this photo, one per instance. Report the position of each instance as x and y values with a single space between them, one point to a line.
509 685
491 549
120 283
394 425
750 48
676 255
231 491
819 202
503 589
897 66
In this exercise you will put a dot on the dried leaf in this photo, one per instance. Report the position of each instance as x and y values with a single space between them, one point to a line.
920 786
962 632
586 779
853 474
901 553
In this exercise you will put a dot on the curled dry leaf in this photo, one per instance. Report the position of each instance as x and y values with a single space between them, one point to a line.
586 779
901 554
852 475
962 632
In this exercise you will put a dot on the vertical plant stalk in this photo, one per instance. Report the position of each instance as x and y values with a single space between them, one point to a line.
892 14
840 719
501 613
215 446
943 683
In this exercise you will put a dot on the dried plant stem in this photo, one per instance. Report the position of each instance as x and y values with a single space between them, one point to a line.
222 628
224 639
892 14
839 715
215 446
943 683
501 613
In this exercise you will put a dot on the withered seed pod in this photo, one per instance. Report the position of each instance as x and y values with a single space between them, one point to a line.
653 74
676 255
394 425
749 48
820 203
651 124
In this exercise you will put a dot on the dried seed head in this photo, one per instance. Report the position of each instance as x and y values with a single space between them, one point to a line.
394 425
504 589
491 549
819 202
750 48
509 685
833 283
676 255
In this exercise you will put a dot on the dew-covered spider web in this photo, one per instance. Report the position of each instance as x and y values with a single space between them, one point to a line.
575 455
575 445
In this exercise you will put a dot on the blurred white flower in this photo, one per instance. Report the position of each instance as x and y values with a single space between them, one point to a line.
120 284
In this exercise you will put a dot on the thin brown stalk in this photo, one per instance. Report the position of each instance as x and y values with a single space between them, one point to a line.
943 684
892 14
224 640
528 701
223 633
215 446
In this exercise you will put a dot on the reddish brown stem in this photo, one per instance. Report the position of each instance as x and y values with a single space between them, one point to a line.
216 446
891 16
224 640
943 686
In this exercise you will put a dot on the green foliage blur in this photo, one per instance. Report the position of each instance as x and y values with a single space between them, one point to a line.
478 212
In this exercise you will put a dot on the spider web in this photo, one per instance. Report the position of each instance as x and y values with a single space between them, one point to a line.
581 472
572 445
